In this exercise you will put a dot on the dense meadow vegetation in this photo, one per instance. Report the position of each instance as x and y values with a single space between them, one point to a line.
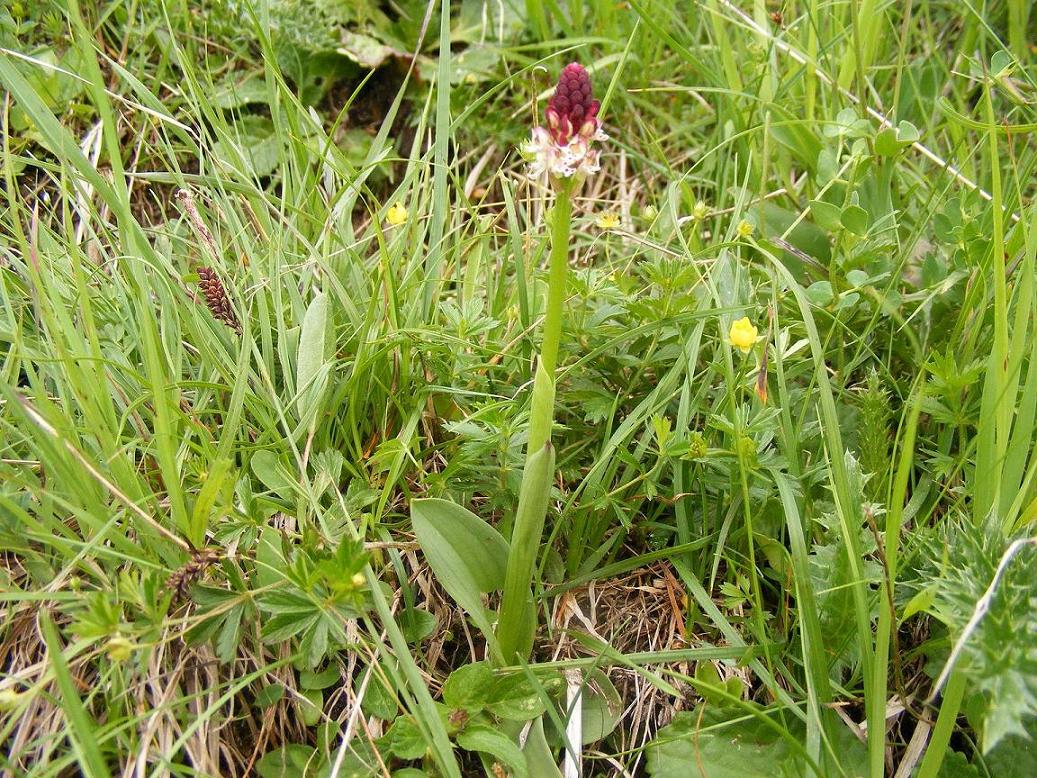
336 439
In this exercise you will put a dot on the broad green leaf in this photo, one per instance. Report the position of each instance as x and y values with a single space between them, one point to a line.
855 219
907 133
291 761
921 602
515 698
475 687
405 740
309 679
311 372
364 50
886 144
857 278
826 215
269 695
468 686
707 680
517 623
467 555
1013 753
602 707
380 700
417 624
235 92
540 762
269 559
1001 63
806 236
272 474
479 737
310 706
820 293
708 746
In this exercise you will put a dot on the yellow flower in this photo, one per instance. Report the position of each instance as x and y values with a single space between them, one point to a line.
607 221
743 335
745 229
700 211
397 214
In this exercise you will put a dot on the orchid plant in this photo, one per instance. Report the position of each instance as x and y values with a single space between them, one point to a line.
470 558
563 151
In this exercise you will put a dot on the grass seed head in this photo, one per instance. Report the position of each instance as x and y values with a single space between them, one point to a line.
216 298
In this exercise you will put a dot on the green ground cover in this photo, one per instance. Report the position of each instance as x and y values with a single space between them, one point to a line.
281 309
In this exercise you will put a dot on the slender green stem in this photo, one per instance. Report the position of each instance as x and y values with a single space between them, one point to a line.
516 623
561 217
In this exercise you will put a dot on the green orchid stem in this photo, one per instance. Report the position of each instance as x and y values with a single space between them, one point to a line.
516 624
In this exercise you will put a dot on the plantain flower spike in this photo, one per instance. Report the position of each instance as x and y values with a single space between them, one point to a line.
564 149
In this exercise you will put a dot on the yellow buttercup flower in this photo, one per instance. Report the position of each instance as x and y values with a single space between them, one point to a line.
607 221
397 214
745 229
743 335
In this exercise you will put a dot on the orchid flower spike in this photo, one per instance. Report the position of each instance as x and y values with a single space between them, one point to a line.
564 148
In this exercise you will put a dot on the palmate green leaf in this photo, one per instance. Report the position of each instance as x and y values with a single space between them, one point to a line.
225 627
467 555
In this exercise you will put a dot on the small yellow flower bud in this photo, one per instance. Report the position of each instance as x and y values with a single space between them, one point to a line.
700 211
747 450
743 335
397 214
649 212
358 579
745 229
120 648
607 221
697 446
9 699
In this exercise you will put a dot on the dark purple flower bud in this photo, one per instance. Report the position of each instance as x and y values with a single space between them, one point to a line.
571 106
564 147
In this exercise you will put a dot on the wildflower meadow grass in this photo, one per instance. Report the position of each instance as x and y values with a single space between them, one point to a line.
518 388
